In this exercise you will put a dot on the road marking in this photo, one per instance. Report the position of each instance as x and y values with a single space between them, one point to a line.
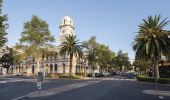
157 92
7 80
3 81
161 97
19 98
56 90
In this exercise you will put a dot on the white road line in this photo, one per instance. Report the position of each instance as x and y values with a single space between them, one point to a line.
157 92
17 80
56 90
3 81
18 98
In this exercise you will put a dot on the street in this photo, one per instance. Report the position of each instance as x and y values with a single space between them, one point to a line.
65 89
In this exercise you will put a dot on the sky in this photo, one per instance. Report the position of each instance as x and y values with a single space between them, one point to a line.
113 22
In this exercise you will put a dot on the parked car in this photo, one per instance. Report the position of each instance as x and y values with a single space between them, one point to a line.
96 75
130 75
18 74
106 73
114 73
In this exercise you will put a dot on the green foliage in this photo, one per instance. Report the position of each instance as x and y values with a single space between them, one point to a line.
72 47
122 59
152 40
7 59
141 64
53 75
36 33
153 80
164 80
98 53
19 53
90 51
146 79
3 27
105 56
70 77
36 38
49 54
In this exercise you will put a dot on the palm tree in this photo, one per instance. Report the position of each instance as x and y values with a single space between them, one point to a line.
152 41
71 46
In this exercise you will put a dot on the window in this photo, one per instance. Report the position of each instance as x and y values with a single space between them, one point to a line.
51 67
55 67
32 69
64 21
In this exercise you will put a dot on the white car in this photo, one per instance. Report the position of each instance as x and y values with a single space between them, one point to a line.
18 74
106 73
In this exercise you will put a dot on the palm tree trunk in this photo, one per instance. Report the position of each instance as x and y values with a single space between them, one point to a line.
70 69
153 66
156 69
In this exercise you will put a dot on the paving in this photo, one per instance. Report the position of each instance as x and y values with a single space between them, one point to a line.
59 89
107 88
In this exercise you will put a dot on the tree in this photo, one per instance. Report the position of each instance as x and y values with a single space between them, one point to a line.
152 41
141 65
20 53
121 60
35 38
90 50
7 60
72 47
104 57
98 54
3 27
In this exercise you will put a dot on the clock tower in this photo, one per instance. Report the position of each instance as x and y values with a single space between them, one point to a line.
66 28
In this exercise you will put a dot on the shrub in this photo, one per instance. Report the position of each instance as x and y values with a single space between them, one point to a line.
33 76
146 79
152 80
52 75
164 80
70 77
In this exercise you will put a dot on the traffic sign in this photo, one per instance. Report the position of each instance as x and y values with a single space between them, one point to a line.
39 85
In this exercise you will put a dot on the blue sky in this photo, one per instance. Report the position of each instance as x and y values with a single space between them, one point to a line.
113 22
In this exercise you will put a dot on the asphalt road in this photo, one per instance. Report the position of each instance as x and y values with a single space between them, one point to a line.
101 90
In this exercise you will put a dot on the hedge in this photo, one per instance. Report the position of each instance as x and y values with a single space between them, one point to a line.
70 77
153 80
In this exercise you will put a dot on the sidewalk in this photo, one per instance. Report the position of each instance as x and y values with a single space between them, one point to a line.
3 76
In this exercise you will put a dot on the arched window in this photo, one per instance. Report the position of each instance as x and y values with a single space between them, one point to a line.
32 69
51 67
64 67
46 68
22 68
55 67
